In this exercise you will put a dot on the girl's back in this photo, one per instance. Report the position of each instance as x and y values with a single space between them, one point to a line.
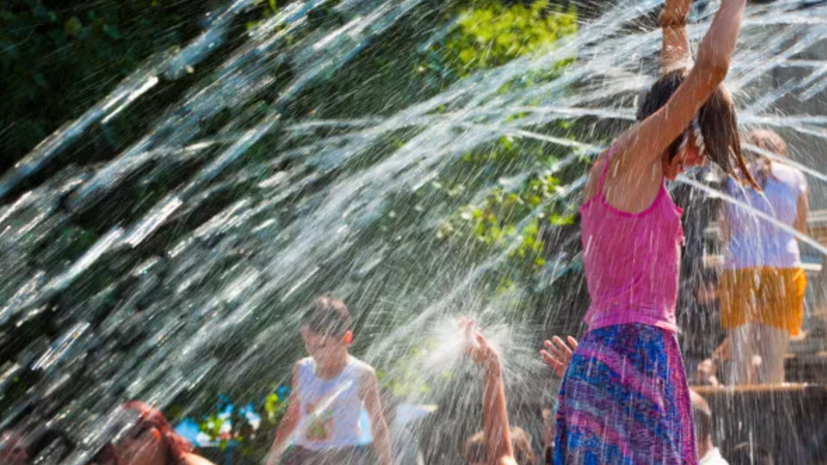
631 261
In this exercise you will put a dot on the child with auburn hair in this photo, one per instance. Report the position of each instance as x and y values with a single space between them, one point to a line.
330 389
145 437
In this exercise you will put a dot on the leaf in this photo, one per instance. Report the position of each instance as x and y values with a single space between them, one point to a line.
561 220
467 55
73 26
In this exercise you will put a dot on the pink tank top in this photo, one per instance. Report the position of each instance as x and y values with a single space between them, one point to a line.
632 261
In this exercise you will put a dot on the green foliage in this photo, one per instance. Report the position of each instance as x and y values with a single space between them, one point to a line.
491 33
228 424
515 214
405 381
275 406
56 60
270 7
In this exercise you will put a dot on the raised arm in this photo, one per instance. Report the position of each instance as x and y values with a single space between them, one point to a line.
287 425
495 427
640 147
676 52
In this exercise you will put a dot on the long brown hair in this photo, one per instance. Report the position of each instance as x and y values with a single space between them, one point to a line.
717 119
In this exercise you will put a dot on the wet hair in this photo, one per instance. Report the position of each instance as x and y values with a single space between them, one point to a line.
176 446
701 416
327 317
716 124
768 140
520 440
749 454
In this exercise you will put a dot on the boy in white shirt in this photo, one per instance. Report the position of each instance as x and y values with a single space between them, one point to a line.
330 389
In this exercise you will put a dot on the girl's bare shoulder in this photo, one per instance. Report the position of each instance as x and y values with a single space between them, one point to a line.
593 182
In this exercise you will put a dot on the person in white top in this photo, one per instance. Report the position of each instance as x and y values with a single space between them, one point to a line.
330 389
702 416
763 284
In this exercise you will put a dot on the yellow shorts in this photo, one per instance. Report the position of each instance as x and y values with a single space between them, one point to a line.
772 296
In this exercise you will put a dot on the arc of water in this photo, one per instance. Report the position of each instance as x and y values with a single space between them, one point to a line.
787 161
384 346
138 83
477 113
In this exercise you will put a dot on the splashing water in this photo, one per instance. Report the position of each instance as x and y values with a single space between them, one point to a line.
450 341
198 288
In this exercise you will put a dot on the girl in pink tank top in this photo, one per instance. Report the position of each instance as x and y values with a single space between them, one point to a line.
624 397
631 260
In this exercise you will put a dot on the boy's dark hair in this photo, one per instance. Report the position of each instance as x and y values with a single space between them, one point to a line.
327 317
520 440
702 416
749 454
717 119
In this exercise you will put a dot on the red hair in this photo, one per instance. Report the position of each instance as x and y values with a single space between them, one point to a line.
177 446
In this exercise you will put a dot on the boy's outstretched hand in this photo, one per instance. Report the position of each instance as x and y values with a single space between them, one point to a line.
557 353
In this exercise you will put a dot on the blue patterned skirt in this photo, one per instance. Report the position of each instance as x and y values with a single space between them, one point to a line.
624 400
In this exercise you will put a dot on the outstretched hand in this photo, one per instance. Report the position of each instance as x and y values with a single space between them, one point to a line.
557 353
479 350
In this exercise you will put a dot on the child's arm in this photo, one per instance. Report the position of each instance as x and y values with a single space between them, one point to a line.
378 426
676 51
802 211
640 148
287 425
557 353
495 427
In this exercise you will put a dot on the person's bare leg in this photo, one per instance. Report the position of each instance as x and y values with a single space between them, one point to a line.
771 344
741 351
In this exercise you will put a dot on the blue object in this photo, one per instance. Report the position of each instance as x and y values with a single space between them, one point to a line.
283 392
189 430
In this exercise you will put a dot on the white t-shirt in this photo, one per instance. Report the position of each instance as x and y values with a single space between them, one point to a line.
713 457
755 242
330 409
